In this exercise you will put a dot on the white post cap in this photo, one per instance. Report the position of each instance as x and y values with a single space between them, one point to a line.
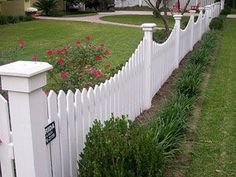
148 26
177 16
201 8
24 76
208 7
192 11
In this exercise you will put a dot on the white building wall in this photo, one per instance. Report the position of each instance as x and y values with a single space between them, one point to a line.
131 3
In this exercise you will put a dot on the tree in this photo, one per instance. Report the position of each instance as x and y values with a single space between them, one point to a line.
157 9
47 6
98 5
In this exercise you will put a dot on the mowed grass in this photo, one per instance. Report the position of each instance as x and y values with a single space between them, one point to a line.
42 35
139 19
214 153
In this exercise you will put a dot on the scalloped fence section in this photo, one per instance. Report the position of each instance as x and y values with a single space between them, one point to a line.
23 149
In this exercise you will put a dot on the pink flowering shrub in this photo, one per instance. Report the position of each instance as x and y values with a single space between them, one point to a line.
80 65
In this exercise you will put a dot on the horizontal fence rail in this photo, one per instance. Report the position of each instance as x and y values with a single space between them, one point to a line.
69 116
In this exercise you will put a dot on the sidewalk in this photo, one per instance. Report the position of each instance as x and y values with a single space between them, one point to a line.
97 18
231 16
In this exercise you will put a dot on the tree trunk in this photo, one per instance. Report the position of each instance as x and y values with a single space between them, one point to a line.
185 7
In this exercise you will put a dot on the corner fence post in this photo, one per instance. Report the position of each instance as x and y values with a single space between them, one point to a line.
177 49
28 111
192 15
148 29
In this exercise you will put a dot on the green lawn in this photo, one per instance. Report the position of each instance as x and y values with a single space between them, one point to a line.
43 35
139 19
214 153
233 11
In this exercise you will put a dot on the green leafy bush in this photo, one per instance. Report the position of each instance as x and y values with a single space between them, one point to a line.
48 7
81 65
3 20
27 18
120 148
226 11
14 19
216 23
160 36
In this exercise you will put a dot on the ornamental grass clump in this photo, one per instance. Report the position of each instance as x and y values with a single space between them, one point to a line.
189 81
120 148
169 123
77 66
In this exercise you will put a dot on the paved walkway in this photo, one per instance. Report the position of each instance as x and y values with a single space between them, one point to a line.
96 18
231 16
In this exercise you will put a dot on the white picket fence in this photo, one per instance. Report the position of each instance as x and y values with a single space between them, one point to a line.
23 151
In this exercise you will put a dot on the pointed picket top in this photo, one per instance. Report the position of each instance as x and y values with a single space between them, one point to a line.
52 104
84 95
90 93
96 94
69 93
61 101
101 88
61 94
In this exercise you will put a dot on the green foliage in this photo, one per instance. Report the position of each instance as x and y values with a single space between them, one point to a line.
160 36
226 10
99 5
125 149
169 123
14 19
216 23
3 20
48 7
81 65
189 81
120 148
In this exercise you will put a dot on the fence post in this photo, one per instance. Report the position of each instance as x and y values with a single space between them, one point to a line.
28 110
222 4
201 15
208 15
177 48
148 29
192 15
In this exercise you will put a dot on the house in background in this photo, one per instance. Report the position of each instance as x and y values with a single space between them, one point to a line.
131 3
15 7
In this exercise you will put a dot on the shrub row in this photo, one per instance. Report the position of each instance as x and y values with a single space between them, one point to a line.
121 148
14 19
217 23
170 121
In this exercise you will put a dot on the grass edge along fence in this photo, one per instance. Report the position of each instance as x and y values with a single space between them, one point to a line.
129 92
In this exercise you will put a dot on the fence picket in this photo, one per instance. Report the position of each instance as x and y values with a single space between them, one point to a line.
85 112
6 161
79 123
63 124
55 149
71 132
